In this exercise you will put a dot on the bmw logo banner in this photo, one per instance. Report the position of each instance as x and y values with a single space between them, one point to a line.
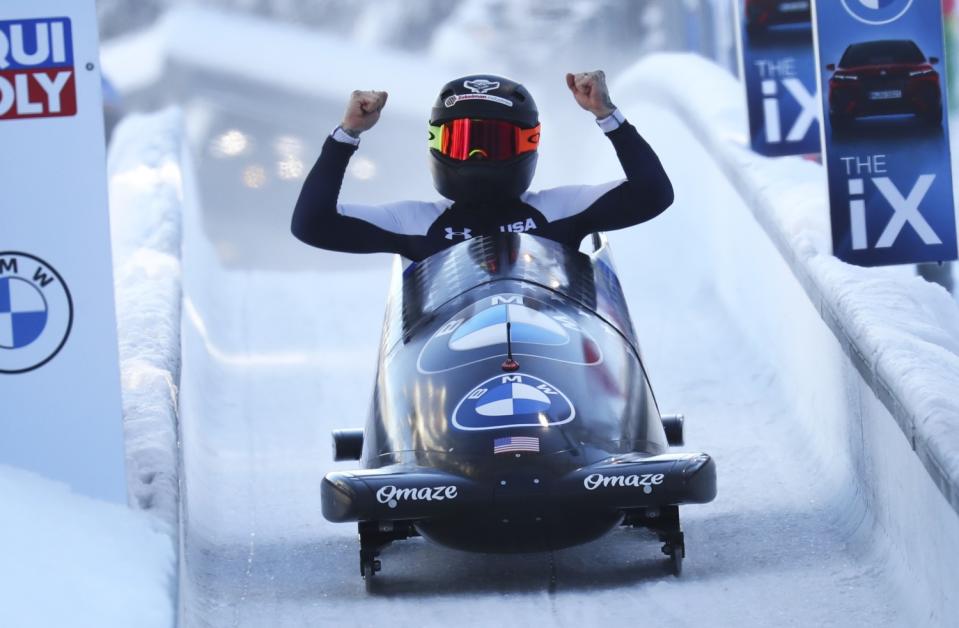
59 366
883 99
779 71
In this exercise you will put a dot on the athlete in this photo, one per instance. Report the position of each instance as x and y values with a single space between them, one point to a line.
483 136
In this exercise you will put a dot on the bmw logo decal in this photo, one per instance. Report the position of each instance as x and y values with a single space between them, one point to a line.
877 12
514 400
478 332
36 312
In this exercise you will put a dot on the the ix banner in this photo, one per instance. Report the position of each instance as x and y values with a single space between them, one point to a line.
779 70
886 140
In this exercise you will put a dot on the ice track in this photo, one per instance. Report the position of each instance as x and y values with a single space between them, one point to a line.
279 345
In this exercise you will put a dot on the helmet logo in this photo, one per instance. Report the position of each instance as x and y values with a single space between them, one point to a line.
455 98
481 86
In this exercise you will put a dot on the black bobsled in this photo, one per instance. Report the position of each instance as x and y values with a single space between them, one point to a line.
511 411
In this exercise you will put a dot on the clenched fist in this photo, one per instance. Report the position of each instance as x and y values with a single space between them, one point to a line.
363 111
590 91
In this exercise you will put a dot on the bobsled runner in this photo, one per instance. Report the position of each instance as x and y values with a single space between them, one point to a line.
512 411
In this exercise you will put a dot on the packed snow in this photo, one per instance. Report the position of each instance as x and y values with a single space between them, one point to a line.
70 560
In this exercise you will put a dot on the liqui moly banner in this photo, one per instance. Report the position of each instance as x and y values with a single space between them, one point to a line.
60 410
779 71
885 135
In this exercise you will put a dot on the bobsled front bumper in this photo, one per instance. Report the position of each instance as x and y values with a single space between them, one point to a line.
417 493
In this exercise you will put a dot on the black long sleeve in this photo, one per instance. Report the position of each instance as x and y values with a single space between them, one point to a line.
645 194
316 220
418 229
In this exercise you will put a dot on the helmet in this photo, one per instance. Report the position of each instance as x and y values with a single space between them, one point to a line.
484 132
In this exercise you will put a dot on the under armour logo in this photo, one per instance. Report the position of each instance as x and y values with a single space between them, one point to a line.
466 233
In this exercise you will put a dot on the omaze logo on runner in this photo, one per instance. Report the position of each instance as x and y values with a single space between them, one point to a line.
37 77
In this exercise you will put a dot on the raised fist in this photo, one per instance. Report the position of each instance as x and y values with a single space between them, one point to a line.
363 111
590 91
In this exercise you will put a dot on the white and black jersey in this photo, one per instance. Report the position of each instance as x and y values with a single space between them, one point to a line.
416 229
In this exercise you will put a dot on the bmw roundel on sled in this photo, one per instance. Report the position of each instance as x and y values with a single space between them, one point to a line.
511 411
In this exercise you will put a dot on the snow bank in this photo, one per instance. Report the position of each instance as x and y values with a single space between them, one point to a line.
900 331
146 164
74 561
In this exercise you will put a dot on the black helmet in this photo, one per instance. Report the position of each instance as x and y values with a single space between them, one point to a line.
484 131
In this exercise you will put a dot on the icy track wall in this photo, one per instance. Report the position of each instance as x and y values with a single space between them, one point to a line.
147 162
871 355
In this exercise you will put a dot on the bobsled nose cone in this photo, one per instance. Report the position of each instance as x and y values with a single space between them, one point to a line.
699 476
341 494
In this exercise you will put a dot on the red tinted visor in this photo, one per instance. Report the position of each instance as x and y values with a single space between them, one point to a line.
482 139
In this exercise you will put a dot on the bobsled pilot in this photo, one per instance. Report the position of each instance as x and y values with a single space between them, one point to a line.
484 132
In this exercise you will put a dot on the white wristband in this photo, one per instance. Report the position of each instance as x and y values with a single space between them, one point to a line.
340 135
611 122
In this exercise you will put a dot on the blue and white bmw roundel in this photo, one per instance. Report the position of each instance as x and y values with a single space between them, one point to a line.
488 328
478 332
510 399
513 400
36 312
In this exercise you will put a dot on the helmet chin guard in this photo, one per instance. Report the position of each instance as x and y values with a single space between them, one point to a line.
482 180
484 97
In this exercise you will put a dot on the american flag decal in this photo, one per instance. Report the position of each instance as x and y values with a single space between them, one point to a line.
515 443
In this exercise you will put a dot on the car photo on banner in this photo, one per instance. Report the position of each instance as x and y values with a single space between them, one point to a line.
886 77
885 138
779 71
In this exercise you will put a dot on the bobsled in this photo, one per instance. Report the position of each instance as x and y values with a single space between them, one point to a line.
511 410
